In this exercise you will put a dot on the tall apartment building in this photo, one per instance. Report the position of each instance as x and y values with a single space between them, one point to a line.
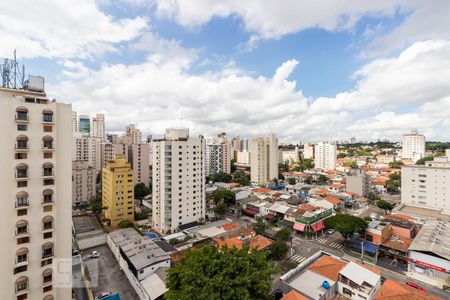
218 155
325 155
308 151
413 146
84 125
427 186
357 181
98 127
35 187
118 191
86 148
138 156
178 180
134 133
83 182
263 159
74 122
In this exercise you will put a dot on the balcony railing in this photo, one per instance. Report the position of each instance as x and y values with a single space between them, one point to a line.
21 288
22 147
22 118
48 173
22 175
46 254
22 231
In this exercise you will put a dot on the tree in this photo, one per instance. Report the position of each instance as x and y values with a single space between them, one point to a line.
126 224
96 206
260 226
322 179
383 204
283 234
210 273
423 160
221 177
233 165
278 250
394 183
346 224
372 198
352 164
141 190
220 209
395 164
142 215
241 178
341 155
291 181
225 196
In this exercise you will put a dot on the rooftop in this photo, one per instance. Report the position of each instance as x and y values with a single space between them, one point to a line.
293 295
393 290
433 237
310 283
85 223
360 274
140 250
327 266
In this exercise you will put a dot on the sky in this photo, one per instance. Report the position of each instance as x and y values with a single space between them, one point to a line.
304 70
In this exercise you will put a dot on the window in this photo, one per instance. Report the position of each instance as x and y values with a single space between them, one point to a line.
48 128
22 114
20 155
22 127
48 155
22 212
22 142
47 142
47 116
22 284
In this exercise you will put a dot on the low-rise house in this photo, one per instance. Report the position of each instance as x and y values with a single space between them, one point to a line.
394 290
358 282
310 218
142 255
336 187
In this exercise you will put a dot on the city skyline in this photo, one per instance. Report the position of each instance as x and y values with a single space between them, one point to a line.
176 64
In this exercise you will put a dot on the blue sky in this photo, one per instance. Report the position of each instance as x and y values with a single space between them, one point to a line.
344 68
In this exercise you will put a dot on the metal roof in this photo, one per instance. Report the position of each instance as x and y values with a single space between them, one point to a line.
433 237
359 274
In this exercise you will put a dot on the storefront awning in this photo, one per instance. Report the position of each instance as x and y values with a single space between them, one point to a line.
250 212
299 227
318 226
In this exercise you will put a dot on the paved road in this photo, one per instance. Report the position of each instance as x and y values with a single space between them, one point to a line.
333 244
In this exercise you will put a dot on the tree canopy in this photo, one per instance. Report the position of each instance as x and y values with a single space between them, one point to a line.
220 177
283 234
225 196
141 190
423 160
241 178
278 250
396 164
394 183
346 224
260 226
209 273
383 204
351 163
96 206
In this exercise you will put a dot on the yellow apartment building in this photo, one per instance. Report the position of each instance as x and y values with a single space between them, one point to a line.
118 191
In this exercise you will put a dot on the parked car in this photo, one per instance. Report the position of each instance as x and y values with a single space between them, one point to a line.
331 231
416 286
95 254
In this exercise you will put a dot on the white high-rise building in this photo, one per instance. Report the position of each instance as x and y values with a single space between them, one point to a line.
84 125
36 192
263 159
218 155
413 146
178 180
325 155
308 151
134 133
98 127
86 148
427 186
74 122
83 182
138 158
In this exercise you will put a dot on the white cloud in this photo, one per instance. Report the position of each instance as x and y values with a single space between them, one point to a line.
271 19
52 28
390 97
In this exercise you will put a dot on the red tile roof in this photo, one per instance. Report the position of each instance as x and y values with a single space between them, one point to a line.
293 295
333 200
394 290
328 267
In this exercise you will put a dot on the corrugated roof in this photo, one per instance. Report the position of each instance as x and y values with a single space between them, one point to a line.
433 237
359 274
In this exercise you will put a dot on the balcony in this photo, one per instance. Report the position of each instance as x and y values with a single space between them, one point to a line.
21 289
22 232
48 173
47 147
22 118
20 262
47 227
47 254
47 119
21 175
22 147
22 204
47 201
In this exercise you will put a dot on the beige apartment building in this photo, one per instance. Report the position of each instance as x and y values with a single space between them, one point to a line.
178 180
218 155
35 187
83 182
427 185
263 159
138 156
98 127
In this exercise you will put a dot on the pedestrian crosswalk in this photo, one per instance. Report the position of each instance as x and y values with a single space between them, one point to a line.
325 242
322 241
337 245
298 258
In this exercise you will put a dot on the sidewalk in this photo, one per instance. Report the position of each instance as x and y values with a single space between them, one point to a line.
425 279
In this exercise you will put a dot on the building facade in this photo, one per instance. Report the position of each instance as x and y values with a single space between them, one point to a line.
83 182
36 189
413 146
84 125
325 155
134 133
263 159
357 181
178 180
118 191
308 151
427 185
98 127
138 156
218 156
